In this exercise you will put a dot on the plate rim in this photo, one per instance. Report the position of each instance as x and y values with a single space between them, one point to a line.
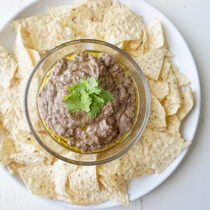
109 204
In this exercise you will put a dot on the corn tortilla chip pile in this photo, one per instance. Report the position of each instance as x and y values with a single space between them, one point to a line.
161 141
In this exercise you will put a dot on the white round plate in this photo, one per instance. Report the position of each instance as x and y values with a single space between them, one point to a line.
183 58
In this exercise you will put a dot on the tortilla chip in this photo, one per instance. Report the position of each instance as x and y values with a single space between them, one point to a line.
25 142
97 9
84 179
169 53
35 57
108 174
69 26
35 32
172 101
132 165
173 125
181 79
5 102
68 22
38 178
13 167
115 174
165 69
155 33
160 149
25 63
136 47
10 102
157 118
187 103
11 107
6 149
26 158
14 119
120 24
61 171
82 184
2 128
158 88
27 59
120 195
95 197
151 63
9 112
8 67
60 10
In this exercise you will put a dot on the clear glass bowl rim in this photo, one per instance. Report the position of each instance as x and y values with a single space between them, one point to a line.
141 129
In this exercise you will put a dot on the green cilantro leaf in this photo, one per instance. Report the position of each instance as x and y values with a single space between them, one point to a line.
106 95
77 101
97 99
87 96
72 101
95 109
85 101
77 87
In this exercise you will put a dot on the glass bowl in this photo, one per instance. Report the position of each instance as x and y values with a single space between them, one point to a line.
32 112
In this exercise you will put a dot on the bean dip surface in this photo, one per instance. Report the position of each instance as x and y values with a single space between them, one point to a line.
80 130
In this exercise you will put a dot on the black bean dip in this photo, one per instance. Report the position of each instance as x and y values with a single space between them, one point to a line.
80 130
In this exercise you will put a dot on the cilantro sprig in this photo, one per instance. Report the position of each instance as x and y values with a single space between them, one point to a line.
87 96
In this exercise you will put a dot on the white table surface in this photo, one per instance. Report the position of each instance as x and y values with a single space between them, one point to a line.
189 186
